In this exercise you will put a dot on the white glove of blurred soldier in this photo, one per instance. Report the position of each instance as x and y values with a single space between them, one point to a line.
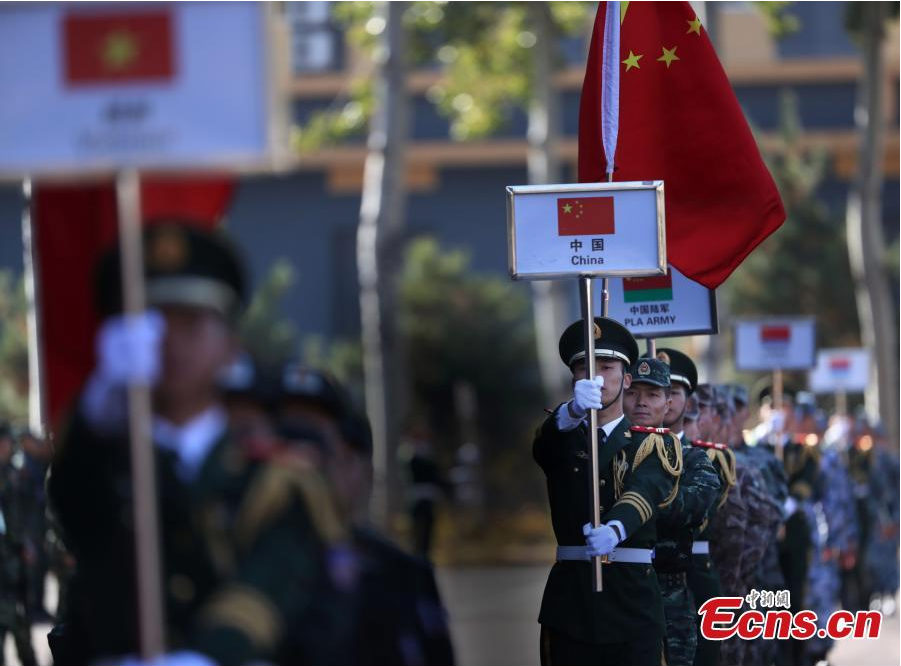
601 540
128 352
586 395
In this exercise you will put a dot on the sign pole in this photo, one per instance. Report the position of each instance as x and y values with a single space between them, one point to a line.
652 348
150 605
777 406
841 402
588 319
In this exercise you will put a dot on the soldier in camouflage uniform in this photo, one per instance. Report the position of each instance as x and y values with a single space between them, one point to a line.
13 535
882 551
679 524
638 470
833 535
244 551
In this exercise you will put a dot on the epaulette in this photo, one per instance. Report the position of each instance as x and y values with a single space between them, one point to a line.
710 445
659 431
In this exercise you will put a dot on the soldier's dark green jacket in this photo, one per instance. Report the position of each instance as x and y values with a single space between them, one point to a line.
699 489
243 557
630 605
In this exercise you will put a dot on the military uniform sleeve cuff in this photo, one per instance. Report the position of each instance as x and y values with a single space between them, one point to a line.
565 420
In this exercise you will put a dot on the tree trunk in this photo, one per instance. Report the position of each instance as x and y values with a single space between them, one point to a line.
379 255
549 297
866 245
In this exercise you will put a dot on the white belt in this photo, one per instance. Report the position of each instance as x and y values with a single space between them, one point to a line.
623 555
700 548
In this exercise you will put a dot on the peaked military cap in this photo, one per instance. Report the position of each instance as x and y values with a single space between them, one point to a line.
681 368
314 386
611 340
739 393
650 371
766 394
247 378
183 265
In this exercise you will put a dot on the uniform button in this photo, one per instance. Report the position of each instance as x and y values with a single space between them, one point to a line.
575 469
603 482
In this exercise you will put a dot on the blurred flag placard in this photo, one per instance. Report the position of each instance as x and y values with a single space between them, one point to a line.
94 87
786 343
590 229
662 306
841 369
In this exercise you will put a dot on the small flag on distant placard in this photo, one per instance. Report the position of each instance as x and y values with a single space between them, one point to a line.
646 289
103 48
776 334
585 216
839 365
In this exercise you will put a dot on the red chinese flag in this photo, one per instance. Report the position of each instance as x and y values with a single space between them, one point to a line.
118 48
679 122
775 333
585 216
73 225
840 364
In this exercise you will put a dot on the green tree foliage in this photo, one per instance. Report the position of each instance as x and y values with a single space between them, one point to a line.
461 326
484 50
803 267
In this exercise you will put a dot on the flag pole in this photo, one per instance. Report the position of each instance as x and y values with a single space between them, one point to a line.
597 576
777 407
143 474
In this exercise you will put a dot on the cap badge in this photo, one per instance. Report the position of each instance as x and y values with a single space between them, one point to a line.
168 251
644 369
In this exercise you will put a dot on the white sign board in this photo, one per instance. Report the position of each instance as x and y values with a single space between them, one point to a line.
786 343
663 306
97 86
590 229
841 369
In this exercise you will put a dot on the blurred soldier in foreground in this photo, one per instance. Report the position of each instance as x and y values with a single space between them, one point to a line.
638 471
242 554
680 523
398 617
882 552
14 552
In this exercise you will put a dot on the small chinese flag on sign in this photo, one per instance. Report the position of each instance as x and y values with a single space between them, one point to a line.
778 334
644 289
840 365
585 216
118 48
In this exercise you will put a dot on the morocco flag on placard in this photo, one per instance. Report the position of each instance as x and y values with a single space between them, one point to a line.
585 216
645 289
775 334
123 47
679 122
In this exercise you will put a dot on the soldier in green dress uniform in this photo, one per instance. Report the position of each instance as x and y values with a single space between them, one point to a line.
243 552
623 624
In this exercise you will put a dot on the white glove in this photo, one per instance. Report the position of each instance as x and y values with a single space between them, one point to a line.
790 506
587 395
128 348
777 421
128 352
601 540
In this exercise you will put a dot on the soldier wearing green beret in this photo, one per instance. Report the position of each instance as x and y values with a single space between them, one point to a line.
243 554
638 472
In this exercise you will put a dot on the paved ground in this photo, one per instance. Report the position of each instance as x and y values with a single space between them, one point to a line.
493 620
493 614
